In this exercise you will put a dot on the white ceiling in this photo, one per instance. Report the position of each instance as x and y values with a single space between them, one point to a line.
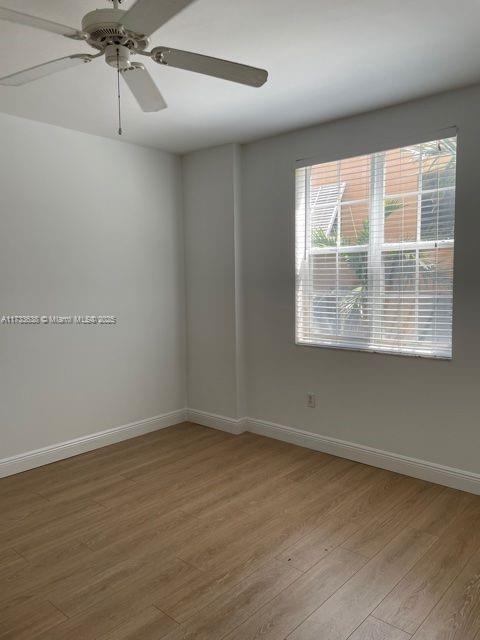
326 58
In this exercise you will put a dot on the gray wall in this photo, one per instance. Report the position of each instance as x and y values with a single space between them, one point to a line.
211 203
88 226
421 408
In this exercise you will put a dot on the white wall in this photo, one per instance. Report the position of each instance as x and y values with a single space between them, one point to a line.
88 226
421 408
211 209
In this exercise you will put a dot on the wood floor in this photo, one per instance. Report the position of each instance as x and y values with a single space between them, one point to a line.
191 533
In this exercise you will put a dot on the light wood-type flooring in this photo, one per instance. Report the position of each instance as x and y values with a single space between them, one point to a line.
192 533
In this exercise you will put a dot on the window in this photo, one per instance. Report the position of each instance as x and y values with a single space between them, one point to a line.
374 251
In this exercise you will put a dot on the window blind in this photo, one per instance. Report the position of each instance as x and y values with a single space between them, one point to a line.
374 251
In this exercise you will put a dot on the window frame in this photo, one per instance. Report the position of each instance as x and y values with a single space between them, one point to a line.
383 248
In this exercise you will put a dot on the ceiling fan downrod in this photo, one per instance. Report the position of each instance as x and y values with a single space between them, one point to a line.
119 98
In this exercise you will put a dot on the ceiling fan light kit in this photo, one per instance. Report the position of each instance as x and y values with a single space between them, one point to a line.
118 35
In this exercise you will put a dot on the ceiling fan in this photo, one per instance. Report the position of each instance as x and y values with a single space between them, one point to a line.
121 34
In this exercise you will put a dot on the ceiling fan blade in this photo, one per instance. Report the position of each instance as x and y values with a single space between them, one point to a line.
141 84
146 16
39 23
46 69
210 66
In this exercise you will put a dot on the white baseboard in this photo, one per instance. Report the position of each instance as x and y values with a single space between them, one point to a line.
230 425
45 455
430 471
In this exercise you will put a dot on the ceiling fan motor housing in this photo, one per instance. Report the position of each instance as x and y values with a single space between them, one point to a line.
103 28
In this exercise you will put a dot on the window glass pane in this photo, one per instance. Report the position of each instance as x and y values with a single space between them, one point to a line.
353 309
324 294
402 170
355 173
438 190
438 215
399 303
354 223
401 218
435 296
323 174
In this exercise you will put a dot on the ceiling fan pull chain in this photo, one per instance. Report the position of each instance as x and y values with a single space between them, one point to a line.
119 99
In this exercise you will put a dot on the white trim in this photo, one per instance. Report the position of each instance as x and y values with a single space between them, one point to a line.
430 471
223 423
69 448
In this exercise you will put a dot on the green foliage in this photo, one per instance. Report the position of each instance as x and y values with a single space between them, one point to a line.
320 239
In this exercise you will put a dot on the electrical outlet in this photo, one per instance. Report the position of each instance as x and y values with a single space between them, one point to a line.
311 402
